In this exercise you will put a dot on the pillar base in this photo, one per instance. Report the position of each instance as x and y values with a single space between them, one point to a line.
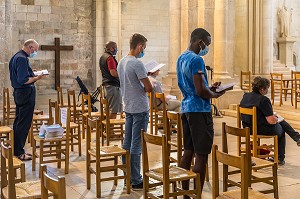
170 85
286 50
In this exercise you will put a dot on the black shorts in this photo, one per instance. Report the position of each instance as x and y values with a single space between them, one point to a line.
198 132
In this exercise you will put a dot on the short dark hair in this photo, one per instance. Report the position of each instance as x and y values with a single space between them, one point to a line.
259 83
109 44
137 39
199 33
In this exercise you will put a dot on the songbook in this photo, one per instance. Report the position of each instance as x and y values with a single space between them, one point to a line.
225 87
279 117
41 72
153 66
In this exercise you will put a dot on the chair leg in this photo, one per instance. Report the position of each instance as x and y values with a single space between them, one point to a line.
116 170
207 173
22 171
275 182
98 179
41 156
128 172
88 173
79 141
198 186
33 155
67 157
58 148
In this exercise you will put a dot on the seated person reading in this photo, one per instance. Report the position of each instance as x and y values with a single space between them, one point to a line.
267 121
172 104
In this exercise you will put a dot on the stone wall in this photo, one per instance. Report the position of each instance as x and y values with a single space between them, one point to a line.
150 18
69 20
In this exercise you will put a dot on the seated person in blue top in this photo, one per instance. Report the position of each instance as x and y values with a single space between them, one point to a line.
267 121
171 104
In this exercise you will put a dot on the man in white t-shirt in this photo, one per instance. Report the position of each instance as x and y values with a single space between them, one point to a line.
134 84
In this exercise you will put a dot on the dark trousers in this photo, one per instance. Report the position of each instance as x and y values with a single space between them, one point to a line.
25 101
280 129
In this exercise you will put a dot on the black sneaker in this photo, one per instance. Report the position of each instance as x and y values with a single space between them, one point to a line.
138 187
280 162
298 142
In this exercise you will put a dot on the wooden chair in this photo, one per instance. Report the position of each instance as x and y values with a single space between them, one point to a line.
244 134
38 120
86 111
56 186
167 174
97 155
53 148
8 109
279 86
245 81
6 133
160 115
256 138
239 162
9 188
296 88
60 97
112 129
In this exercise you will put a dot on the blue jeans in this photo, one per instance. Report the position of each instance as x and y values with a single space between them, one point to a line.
135 122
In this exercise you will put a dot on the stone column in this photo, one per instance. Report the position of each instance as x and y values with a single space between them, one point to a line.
267 37
220 40
174 46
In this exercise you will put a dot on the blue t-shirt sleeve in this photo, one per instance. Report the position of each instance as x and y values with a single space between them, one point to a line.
197 65
140 70
22 70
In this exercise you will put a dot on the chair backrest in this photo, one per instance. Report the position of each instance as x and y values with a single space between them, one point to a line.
296 77
160 97
93 124
72 104
243 142
6 106
7 169
245 80
251 112
86 98
276 79
151 112
53 112
239 162
60 97
172 117
158 140
56 186
104 110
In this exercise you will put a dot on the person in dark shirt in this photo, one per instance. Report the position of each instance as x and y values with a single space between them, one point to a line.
22 80
267 121
110 80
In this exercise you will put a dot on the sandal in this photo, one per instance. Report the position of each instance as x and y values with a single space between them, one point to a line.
24 157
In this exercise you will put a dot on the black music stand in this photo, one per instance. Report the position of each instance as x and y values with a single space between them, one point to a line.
216 112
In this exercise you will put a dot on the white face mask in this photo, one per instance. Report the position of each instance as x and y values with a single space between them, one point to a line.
203 52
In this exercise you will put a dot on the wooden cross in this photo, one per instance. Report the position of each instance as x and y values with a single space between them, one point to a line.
57 48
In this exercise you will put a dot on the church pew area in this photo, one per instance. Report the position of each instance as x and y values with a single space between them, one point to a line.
288 175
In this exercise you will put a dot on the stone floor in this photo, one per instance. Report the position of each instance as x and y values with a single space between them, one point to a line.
289 177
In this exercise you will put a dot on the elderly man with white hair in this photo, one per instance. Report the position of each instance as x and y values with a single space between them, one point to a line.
22 80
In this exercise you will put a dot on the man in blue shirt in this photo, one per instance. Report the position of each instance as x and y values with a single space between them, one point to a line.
22 80
196 109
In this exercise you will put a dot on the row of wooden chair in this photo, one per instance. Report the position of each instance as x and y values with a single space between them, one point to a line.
11 189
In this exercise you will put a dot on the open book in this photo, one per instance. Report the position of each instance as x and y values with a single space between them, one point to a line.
279 117
41 72
225 87
153 66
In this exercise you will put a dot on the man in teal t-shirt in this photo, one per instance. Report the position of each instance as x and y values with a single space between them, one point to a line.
196 109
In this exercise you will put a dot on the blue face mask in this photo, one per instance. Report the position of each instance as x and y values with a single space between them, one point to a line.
32 55
115 51
141 54
203 52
